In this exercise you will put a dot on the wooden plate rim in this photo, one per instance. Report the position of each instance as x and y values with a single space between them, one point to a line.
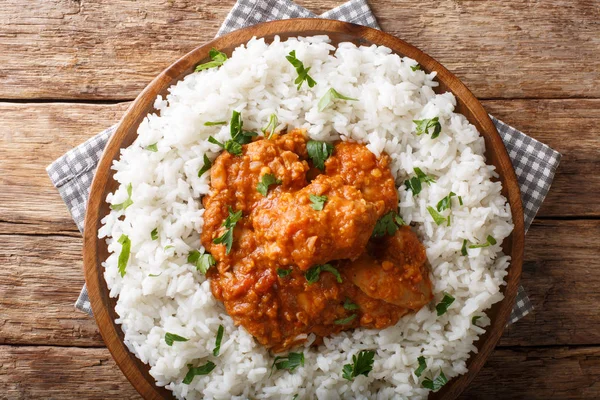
137 372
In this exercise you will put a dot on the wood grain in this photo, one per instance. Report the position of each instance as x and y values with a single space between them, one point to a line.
71 372
59 49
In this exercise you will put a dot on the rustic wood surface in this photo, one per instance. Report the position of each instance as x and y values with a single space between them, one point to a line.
69 67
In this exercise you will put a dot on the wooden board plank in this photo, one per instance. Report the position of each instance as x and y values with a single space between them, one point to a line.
67 373
84 50
44 274
34 135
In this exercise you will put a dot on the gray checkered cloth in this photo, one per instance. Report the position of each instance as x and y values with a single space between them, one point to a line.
534 162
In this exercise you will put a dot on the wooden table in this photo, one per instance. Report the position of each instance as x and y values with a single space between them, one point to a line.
69 68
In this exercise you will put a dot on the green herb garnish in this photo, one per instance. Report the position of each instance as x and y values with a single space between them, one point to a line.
423 126
153 147
302 72
289 362
124 255
312 275
238 135
388 224
463 250
282 273
318 202
195 371
171 337
446 202
415 67
442 306
349 305
422 366
490 242
266 181
414 183
474 319
319 152
207 165
154 275
273 122
126 203
361 365
229 224
344 321
215 123
217 58
437 383
330 96
154 234
437 217
218 340
460 200
202 261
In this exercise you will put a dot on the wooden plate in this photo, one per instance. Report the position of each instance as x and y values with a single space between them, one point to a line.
95 250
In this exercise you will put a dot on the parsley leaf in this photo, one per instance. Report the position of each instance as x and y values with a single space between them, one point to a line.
215 123
437 383
349 305
474 319
460 200
361 365
423 126
312 275
126 203
463 250
202 261
330 96
422 366
217 58
273 123
415 67
266 181
194 371
229 224
124 255
154 234
154 275
171 337
345 321
437 217
282 273
302 72
446 202
319 152
442 306
207 165
218 340
238 135
388 224
289 362
490 242
152 147
317 202
414 183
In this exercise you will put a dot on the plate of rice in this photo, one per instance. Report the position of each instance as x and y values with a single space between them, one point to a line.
303 209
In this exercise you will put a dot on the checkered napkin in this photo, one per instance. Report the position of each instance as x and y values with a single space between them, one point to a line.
534 162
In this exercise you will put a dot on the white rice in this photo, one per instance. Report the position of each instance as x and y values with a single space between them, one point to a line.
258 81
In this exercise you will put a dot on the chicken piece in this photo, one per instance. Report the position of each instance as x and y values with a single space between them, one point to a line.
399 275
293 232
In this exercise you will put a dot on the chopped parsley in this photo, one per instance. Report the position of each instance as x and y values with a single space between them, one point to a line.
437 217
446 202
442 306
126 203
155 275
463 250
202 261
124 255
474 319
218 340
266 181
388 224
215 123
195 371
207 165
229 224
436 384
415 67
318 202
330 96
171 337
302 72
217 58
362 364
282 273
460 200
423 126
154 234
270 128
167 247
349 305
344 321
319 152
289 362
414 183
153 148
490 242
238 135
422 366
312 275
